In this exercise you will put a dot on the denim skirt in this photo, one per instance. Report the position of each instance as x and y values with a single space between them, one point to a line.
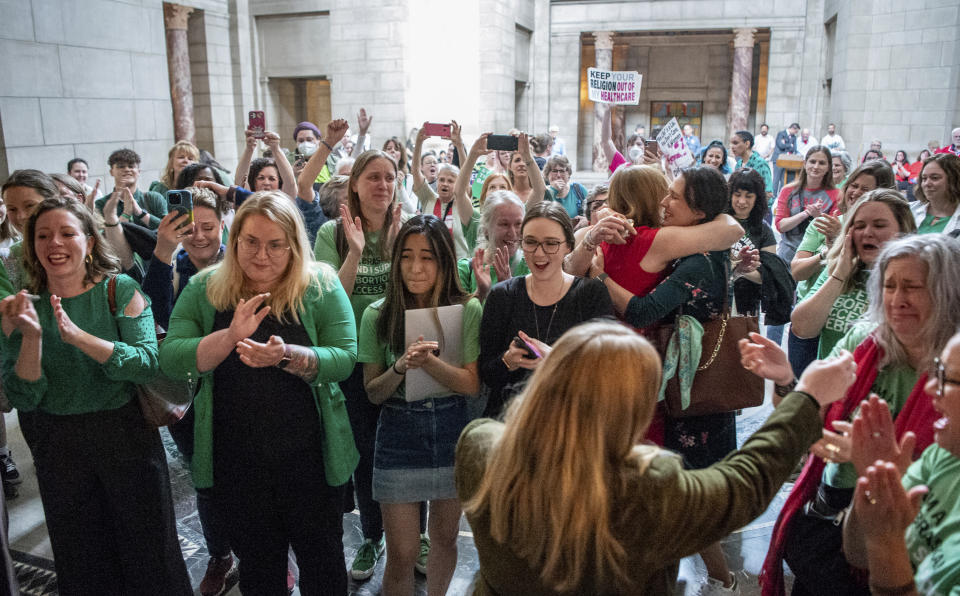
414 452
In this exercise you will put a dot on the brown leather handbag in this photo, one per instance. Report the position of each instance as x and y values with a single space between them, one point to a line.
721 383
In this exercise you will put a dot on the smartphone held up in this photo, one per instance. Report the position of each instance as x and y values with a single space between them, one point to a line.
181 201
257 123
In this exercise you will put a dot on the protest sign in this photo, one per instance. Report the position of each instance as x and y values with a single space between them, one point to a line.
614 86
674 147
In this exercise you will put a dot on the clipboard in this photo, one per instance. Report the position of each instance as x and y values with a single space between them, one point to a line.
443 324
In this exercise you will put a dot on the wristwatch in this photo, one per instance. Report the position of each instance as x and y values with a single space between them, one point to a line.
602 277
285 359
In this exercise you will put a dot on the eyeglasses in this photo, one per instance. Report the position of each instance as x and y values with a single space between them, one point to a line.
557 171
251 247
549 247
942 378
596 203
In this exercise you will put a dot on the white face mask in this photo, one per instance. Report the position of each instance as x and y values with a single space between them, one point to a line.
635 153
307 148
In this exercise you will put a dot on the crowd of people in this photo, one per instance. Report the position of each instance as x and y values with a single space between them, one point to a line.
288 296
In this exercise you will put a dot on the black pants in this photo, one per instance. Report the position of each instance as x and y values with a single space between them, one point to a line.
106 497
291 506
363 421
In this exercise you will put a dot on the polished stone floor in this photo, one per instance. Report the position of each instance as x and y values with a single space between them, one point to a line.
745 548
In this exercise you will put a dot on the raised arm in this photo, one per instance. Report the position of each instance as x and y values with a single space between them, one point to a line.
418 179
363 125
479 147
243 165
287 177
461 198
674 242
335 131
537 186
113 231
606 134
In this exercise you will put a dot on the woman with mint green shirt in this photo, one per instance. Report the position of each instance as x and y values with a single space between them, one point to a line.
500 258
416 440
358 246
69 367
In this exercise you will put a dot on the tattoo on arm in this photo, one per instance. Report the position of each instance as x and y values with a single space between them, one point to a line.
303 362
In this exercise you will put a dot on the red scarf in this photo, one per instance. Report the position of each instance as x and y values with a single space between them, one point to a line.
917 415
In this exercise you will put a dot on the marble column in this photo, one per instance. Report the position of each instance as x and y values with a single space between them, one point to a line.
603 49
178 64
740 85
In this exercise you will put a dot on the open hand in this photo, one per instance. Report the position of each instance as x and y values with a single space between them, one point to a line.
246 317
873 438
363 123
69 332
258 355
353 230
765 359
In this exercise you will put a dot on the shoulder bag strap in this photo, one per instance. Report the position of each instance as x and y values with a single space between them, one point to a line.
112 294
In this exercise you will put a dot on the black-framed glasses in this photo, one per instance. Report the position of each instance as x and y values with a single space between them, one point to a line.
942 379
274 249
549 247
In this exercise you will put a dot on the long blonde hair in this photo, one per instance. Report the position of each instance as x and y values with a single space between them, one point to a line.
227 284
168 179
552 482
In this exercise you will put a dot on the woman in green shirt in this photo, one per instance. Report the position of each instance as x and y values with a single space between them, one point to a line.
839 296
416 435
500 258
69 367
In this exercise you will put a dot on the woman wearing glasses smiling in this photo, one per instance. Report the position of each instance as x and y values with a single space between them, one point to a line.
270 333
538 308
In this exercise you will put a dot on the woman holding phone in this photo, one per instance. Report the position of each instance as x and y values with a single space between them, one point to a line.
534 310
413 460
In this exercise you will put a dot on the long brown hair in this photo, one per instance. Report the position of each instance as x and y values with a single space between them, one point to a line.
353 201
103 262
800 184
551 496
446 291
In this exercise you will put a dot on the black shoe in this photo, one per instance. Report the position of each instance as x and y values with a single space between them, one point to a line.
8 470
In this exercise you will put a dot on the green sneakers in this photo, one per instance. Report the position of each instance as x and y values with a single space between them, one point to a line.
421 564
367 556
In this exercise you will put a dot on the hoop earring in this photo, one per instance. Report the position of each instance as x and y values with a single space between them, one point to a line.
88 259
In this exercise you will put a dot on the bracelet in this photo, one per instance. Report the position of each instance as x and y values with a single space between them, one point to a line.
906 588
394 367
324 141
837 278
783 390
113 225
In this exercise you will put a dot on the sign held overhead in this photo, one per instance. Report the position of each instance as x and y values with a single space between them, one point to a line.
621 87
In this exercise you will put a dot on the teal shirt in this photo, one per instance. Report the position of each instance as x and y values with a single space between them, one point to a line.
760 165
894 384
372 273
325 316
151 202
71 382
372 349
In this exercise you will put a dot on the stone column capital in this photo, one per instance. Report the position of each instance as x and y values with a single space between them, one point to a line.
743 37
175 16
604 40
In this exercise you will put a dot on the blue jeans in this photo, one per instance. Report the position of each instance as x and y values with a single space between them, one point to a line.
801 352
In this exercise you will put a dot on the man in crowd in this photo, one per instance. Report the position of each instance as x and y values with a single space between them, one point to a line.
786 143
693 142
146 208
832 140
955 146
763 143
559 148
805 142
876 145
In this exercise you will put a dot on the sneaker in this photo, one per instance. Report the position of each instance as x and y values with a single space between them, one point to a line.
367 556
714 587
421 564
8 470
291 580
215 578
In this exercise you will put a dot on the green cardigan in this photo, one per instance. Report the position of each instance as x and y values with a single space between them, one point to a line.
328 319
